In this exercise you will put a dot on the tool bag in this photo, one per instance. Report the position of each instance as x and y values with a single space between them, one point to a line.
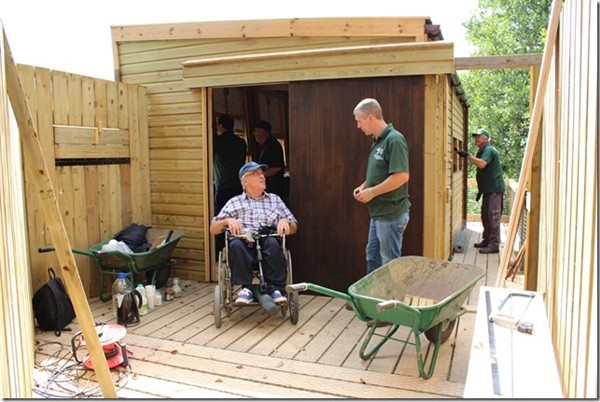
52 306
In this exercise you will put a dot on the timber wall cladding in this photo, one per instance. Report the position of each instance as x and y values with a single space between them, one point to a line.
457 167
177 165
568 250
94 140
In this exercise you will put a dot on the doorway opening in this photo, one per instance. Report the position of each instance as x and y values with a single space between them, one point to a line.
247 106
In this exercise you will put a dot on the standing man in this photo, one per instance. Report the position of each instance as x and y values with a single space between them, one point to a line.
229 155
490 183
271 154
385 190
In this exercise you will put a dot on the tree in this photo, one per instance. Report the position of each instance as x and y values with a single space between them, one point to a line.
499 99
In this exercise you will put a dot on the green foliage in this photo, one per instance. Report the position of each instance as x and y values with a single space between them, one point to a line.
499 99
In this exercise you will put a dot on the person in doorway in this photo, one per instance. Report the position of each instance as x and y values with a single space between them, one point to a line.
271 154
385 189
229 154
251 211
490 184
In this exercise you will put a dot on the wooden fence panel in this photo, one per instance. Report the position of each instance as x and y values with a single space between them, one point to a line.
84 124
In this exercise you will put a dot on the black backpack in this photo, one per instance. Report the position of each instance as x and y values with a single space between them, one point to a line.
52 306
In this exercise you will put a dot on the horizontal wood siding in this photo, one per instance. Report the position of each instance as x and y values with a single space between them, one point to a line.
568 243
410 27
378 60
82 117
176 132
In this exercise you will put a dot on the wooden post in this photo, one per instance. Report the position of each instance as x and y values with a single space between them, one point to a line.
16 332
37 171
534 126
533 217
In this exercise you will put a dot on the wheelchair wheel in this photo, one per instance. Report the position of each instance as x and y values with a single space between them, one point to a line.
292 304
225 283
290 276
217 305
294 307
221 292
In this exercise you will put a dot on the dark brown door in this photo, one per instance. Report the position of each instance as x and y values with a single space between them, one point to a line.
328 158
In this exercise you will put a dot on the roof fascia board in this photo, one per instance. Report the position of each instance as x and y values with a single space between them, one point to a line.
301 27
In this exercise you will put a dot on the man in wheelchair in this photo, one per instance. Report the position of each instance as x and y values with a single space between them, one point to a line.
252 211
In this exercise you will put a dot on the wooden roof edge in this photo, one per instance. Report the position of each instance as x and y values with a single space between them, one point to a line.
336 26
305 52
498 62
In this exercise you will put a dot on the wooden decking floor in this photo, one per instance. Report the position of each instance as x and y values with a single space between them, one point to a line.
177 352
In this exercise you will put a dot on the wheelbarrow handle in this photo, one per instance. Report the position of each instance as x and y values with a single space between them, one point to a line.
47 249
296 287
386 305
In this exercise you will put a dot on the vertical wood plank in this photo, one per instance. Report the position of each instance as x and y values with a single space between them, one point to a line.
431 170
139 147
36 167
533 131
16 330
35 218
92 215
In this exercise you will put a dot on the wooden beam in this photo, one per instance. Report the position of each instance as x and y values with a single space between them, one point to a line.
298 27
533 217
534 129
498 62
389 59
37 171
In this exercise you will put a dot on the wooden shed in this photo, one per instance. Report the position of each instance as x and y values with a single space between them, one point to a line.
304 76
168 166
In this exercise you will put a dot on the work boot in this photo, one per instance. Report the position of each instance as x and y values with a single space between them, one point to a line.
481 244
489 250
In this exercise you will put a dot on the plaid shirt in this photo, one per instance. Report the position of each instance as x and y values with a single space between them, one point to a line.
254 213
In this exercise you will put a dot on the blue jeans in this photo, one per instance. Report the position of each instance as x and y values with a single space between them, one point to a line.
385 241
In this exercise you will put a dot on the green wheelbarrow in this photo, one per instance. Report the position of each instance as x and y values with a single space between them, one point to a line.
155 264
421 293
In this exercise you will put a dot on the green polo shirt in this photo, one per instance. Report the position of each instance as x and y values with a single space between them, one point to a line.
490 179
389 154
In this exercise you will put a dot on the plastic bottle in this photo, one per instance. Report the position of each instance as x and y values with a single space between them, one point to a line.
176 287
144 310
121 287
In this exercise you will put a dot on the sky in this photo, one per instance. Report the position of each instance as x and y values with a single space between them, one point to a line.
74 35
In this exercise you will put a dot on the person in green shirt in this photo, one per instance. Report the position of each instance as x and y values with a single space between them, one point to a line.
490 184
385 189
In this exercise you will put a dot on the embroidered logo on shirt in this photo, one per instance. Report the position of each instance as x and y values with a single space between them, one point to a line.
378 154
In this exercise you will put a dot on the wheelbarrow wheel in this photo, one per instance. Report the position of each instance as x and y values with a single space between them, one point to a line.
447 327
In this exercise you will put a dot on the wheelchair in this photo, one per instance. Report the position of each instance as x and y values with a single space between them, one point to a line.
225 290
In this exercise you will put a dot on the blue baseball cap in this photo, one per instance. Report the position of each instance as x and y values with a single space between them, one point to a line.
481 131
250 166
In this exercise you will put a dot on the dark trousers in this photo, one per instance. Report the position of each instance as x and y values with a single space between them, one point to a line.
491 212
242 255
221 198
